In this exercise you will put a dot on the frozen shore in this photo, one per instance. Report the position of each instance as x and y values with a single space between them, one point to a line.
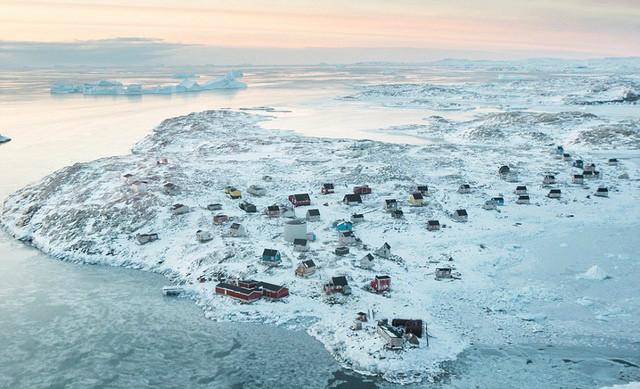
87 213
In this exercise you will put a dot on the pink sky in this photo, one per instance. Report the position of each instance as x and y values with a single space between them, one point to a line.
592 27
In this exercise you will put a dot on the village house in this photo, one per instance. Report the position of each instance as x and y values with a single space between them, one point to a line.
523 199
256 190
232 192
347 238
300 199
443 272
590 167
313 215
341 250
272 291
267 178
237 230
170 188
578 163
424 189
214 207
549 179
559 150
300 245
464 189
366 262
521 190
498 200
578 179
351 199
139 186
327 188
337 285
602 192
554 194
566 157
146 238
203 236
343 225
248 207
128 178
397 214
489 205
384 251
357 218
271 256
381 283
433 225
461 215
162 161
305 268
272 211
416 199
362 316
504 171
390 205
612 161
362 190
588 174
392 337
179 209
220 219
245 295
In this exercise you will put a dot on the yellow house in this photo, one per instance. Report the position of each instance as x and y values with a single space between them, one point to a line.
416 199
232 192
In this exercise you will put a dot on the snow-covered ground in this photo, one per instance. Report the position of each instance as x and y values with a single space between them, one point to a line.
528 273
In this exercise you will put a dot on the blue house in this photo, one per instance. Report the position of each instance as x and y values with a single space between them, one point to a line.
498 200
344 226
271 256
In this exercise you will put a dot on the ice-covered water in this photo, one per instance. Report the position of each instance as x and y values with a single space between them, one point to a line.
93 327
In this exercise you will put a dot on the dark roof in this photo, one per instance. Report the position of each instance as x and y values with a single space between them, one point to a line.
327 186
386 245
309 263
235 226
352 197
302 197
339 281
390 201
433 222
504 168
523 197
521 187
423 187
465 186
398 212
578 176
300 242
555 191
273 208
383 277
368 256
417 195
461 212
357 215
269 253
235 288
313 212
347 233
602 190
270 287
342 249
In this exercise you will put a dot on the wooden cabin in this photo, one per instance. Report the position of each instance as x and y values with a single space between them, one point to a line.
498 200
257 190
461 215
146 238
357 218
139 186
351 199
214 207
392 337
220 219
384 251
272 211
397 214
203 236
490 205
237 230
578 179
612 161
464 189
443 272
341 250
271 256
390 205
602 192
272 291
300 199
424 189
521 190
523 199
344 226
337 285
366 262
179 209
245 295
313 215
554 194
300 245
347 238
362 189
248 207
232 192
170 189
566 157
578 163
306 268
549 179
433 225
327 188
381 283
416 199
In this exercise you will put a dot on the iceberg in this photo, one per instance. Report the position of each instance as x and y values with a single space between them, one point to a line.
228 81
4 139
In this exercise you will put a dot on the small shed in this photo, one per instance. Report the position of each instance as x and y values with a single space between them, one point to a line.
384 251
300 245
416 199
169 188
300 199
521 190
390 205
220 219
232 192
461 215
313 215
433 225
272 211
179 209
341 250
237 230
424 189
523 199
362 189
443 272
351 199
381 283
578 163
214 207
549 179
391 336
257 190
602 192
357 218
306 268
578 179
366 262
397 214
612 161
327 188
248 207
146 238
464 189
344 226
554 194
271 256
203 236
498 200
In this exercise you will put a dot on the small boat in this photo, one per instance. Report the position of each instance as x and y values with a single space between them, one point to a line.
172 290
4 139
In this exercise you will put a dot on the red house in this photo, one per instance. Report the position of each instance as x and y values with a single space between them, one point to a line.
381 283
239 293
327 189
300 199
361 189
274 292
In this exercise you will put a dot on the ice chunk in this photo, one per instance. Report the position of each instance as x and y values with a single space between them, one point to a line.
228 81
4 139
595 272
